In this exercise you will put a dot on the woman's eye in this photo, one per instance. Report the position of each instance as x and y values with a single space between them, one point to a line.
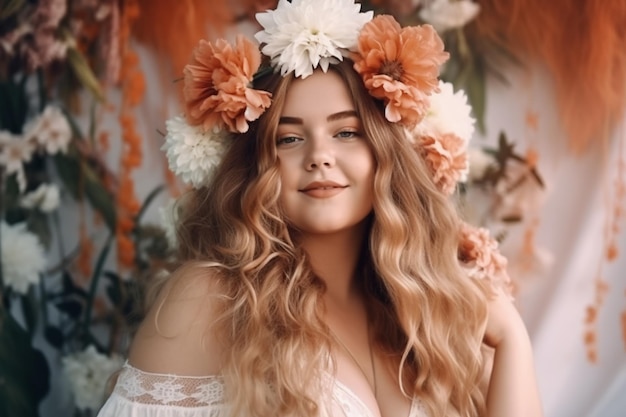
287 140
347 134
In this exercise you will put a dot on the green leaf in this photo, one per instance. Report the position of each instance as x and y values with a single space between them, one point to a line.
114 290
30 310
72 308
99 197
38 224
54 336
24 370
93 286
475 87
13 105
155 192
13 213
69 288
68 169
81 180
83 72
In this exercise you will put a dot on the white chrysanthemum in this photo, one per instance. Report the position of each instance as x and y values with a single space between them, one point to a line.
51 130
88 373
444 15
14 152
46 198
23 257
449 112
479 161
304 34
169 220
192 153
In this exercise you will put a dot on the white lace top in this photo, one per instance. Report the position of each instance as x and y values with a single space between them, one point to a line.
143 394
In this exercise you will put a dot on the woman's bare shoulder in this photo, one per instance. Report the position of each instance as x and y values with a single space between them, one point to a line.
178 335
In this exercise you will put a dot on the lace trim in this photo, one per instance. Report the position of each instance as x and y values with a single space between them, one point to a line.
208 391
162 389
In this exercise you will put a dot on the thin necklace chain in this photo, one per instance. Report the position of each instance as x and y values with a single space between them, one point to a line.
356 362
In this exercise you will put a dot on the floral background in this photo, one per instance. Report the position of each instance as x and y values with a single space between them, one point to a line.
62 294
83 231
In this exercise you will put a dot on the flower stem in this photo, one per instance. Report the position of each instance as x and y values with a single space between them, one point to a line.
2 191
95 278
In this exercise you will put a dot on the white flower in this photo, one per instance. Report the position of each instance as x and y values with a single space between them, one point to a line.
88 373
192 153
446 14
169 219
304 34
449 112
14 152
51 130
46 198
23 257
479 161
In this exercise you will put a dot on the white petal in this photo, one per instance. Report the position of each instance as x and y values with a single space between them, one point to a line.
322 28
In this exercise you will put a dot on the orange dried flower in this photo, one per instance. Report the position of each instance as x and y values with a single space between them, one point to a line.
446 157
400 66
218 88
591 315
479 255
125 250
612 252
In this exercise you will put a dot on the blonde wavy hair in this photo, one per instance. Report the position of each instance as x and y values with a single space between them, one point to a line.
426 312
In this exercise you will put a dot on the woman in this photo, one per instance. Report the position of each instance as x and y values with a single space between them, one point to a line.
320 273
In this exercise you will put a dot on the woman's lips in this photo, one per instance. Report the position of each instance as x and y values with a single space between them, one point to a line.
324 189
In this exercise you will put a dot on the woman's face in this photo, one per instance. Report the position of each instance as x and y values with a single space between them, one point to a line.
326 164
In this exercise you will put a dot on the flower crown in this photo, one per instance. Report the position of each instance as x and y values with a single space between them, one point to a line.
399 66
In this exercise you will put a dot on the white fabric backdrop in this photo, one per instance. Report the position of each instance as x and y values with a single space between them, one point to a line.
553 298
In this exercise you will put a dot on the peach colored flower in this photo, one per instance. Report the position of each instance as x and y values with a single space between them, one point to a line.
218 90
400 66
446 156
479 255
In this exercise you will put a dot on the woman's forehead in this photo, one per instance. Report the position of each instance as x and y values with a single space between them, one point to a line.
321 94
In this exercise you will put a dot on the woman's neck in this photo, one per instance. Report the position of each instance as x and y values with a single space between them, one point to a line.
334 259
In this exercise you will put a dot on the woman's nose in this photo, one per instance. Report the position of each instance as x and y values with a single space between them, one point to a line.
320 154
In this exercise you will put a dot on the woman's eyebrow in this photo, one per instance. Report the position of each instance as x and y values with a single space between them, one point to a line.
342 115
288 120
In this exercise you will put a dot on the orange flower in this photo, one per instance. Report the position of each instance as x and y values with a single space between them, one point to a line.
400 66
446 157
479 255
217 85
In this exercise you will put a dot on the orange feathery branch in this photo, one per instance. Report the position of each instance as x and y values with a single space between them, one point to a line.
173 31
133 89
582 44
